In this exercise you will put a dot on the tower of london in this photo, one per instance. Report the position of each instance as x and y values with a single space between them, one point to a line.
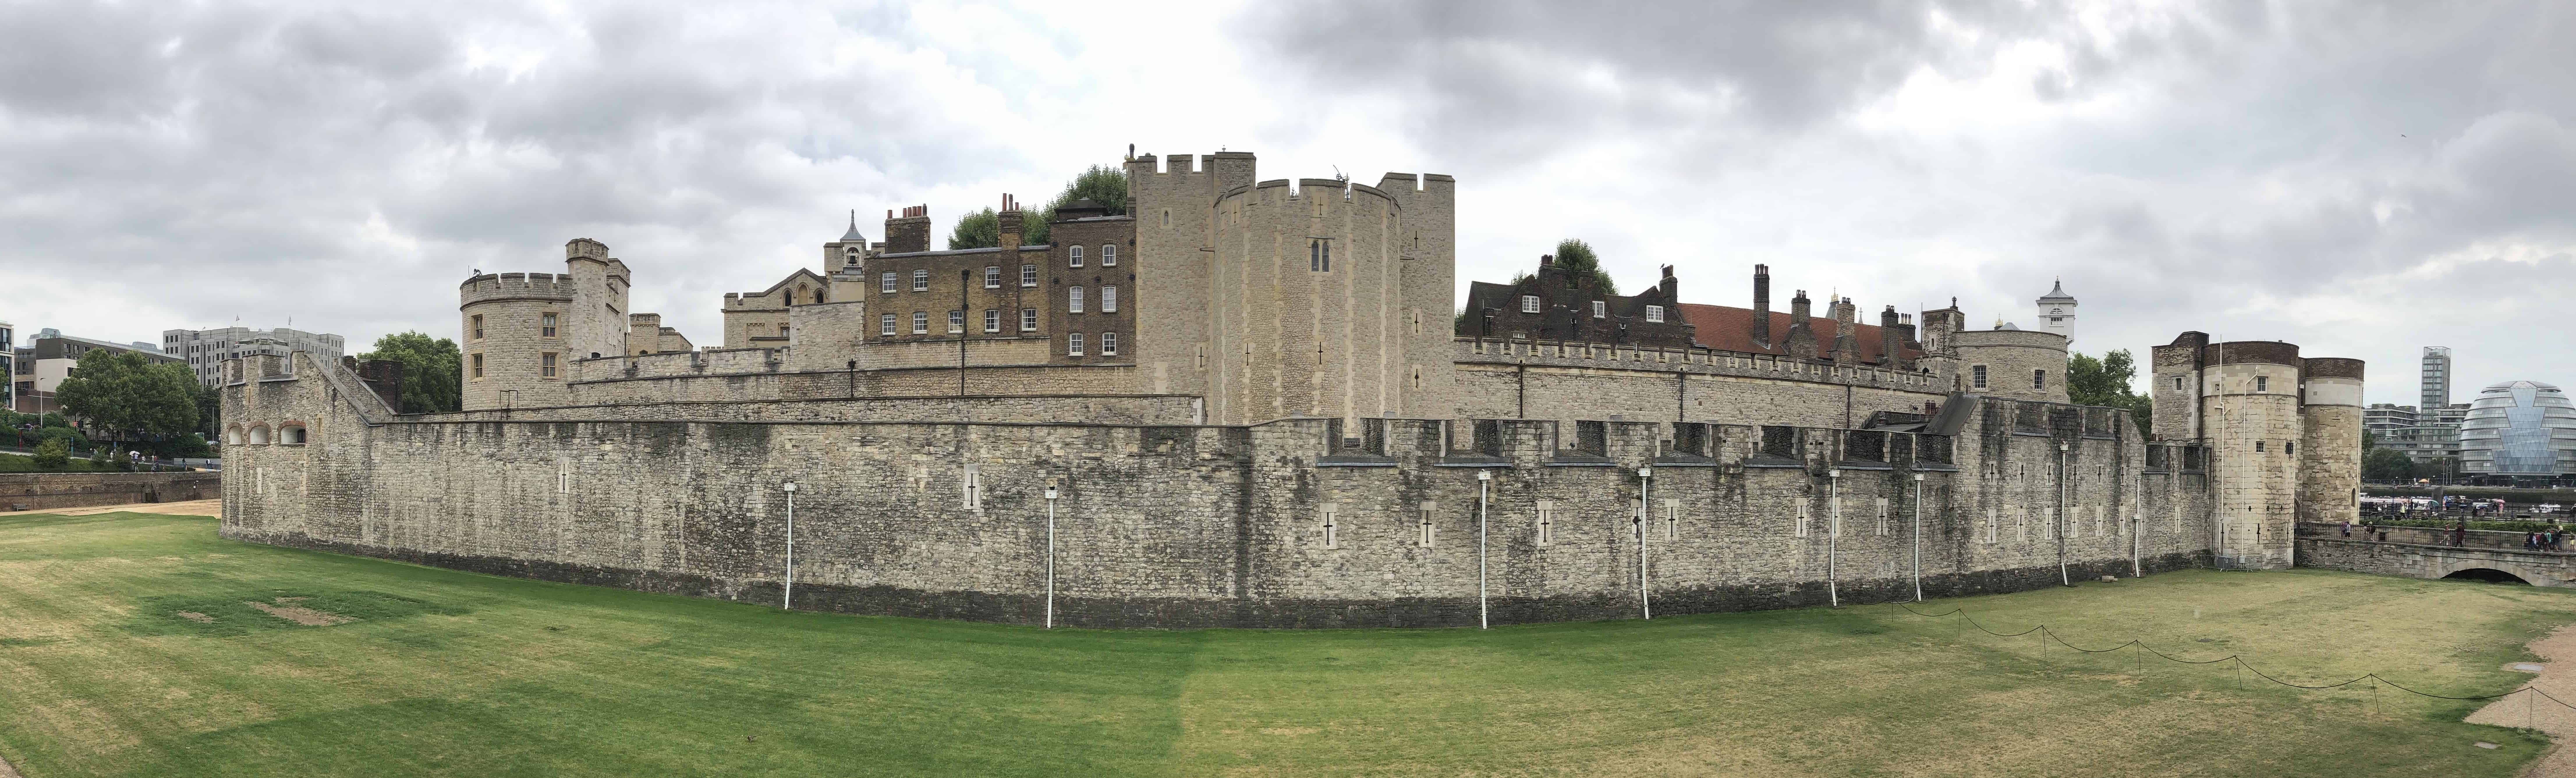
1265 403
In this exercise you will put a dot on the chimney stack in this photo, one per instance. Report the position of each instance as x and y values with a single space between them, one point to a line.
1891 339
1672 288
1846 332
909 232
1010 218
1762 306
1802 338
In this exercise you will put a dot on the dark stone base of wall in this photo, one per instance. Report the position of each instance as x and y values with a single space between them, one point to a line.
45 491
1187 613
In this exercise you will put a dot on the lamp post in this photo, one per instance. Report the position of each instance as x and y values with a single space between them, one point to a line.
1833 534
2060 517
788 594
1050 565
1645 479
1918 537
1484 487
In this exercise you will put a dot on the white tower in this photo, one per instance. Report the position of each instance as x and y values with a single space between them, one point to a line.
2057 312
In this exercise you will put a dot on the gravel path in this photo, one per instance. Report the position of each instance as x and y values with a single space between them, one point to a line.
2558 678
213 507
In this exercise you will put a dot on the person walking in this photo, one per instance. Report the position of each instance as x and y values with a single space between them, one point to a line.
2459 533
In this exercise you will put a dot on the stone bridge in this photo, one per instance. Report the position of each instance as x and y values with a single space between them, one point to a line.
2425 553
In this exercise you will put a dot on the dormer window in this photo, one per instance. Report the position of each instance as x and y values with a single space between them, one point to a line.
1529 303
1655 314
1600 309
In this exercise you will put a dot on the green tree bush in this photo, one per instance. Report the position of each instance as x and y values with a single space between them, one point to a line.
51 455
2105 382
1105 184
129 397
433 370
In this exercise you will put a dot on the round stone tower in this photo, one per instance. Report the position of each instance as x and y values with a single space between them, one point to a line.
524 331
2250 406
2330 442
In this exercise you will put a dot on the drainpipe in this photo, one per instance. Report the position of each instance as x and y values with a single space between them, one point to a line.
1833 534
1050 571
788 594
1645 478
1918 537
2062 578
1484 484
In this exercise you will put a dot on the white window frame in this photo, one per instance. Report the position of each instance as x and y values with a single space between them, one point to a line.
1976 376
921 280
920 322
1028 320
1109 299
1529 303
1108 255
1073 300
1109 344
1655 314
992 320
1600 310
1073 344
992 276
885 325
1028 276
1073 257
956 322
886 283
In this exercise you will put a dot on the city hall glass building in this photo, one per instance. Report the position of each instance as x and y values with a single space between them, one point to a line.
2520 432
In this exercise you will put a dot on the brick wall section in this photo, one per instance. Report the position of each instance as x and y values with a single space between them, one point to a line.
43 491
1178 526
1106 409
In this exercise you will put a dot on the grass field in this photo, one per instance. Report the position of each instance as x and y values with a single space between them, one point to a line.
21 463
131 645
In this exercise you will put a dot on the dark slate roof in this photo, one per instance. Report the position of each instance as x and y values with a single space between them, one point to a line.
2057 294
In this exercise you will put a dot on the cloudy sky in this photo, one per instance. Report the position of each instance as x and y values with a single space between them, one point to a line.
2360 179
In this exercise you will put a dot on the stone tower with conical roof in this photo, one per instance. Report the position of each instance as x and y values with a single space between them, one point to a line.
2057 312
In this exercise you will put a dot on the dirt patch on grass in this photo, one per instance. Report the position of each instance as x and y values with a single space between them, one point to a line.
2557 678
286 608
196 617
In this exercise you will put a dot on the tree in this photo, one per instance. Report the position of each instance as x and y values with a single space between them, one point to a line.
433 370
51 455
2386 464
129 397
2105 382
1104 184
1578 260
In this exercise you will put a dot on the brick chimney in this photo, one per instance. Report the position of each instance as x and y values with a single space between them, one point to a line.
1762 306
1010 217
1802 338
384 377
1672 286
1891 343
1846 332
909 232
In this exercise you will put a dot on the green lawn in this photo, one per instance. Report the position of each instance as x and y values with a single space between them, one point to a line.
21 463
129 645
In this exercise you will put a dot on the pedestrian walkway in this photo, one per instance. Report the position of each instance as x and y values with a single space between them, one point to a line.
188 508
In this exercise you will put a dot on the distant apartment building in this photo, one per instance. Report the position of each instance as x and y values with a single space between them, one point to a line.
49 358
2384 419
8 366
206 350
2437 379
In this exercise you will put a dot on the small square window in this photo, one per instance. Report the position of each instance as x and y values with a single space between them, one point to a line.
1074 258
1109 344
921 280
920 322
1028 319
2258 447
1109 255
1073 345
2262 383
1028 276
1655 314
886 283
1529 303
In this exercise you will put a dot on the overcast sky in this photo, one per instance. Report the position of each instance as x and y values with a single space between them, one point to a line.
2360 179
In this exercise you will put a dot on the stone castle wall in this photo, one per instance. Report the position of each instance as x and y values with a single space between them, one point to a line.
1266 525
1547 379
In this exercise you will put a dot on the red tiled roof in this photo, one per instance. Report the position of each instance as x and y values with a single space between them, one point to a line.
1731 329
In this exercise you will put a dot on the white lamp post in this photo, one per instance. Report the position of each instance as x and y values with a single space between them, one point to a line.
788 594
1484 487
1050 571
1918 537
1833 535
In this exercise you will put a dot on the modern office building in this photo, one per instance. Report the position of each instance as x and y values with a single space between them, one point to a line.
205 350
2437 378
2521 433
8 366
49 358
2384 419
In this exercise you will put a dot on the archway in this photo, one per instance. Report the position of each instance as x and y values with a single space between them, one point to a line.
2485 575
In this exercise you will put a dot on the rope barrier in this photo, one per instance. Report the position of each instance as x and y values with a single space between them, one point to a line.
2239 659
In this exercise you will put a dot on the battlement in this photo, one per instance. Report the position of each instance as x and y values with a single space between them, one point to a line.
515 286
585 248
